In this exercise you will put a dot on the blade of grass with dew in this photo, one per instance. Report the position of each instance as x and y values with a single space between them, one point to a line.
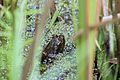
18 42
81 46
53 20
8 27
88 15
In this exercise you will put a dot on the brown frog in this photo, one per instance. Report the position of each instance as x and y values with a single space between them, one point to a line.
52 49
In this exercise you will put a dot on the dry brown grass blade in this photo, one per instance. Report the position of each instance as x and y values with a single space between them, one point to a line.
39 27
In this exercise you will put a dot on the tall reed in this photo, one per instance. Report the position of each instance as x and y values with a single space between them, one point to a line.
89 11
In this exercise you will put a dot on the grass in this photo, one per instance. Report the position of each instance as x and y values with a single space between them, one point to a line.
13 22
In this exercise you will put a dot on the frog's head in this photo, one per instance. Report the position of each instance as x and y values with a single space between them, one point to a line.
61 38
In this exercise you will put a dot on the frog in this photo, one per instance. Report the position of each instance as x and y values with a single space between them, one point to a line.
54 47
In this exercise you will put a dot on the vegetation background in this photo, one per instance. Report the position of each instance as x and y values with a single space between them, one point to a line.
92 39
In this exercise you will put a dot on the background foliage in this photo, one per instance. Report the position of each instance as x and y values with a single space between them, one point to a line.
92 39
